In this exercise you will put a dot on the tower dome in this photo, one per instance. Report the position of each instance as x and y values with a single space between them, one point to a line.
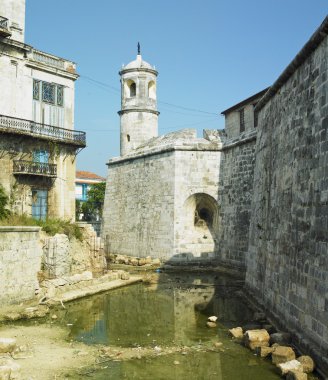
138 114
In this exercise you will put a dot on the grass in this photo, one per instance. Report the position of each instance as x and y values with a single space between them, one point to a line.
50 226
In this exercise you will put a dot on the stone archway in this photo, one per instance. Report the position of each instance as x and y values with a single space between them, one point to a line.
200 226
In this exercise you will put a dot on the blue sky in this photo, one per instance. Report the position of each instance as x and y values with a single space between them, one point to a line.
210 54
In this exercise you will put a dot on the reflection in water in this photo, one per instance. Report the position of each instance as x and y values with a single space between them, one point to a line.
172 313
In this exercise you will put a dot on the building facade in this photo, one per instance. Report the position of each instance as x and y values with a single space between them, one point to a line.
83 181
38 144
161 195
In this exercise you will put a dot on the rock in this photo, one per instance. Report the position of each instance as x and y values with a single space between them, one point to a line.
213 318
156 262
296 375
7 345
142 262
125 276
13 366
263 352
176 362
35 312
269 328
307 363
282 338
211 324
237 332
256 338
148 260
14 316
5 372
282 354
218 344
54 316
292 365
134 262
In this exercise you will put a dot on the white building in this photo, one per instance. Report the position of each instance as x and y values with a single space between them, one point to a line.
38 141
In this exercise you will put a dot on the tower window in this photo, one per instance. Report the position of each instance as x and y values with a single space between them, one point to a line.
152 90
133 90
242 120
128 138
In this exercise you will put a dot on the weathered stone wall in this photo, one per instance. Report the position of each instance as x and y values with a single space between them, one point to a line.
196 192
20 254
287 262
235 196
139 206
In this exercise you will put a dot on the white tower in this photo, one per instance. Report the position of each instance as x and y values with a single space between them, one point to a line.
139 115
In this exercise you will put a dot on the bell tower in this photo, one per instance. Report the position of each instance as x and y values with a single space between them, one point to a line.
138 114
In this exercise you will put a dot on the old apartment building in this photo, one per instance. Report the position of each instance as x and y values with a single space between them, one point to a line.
38 143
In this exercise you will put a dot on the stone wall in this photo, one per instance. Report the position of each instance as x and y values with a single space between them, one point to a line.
287 262
235 196
196 211
139 206
20 262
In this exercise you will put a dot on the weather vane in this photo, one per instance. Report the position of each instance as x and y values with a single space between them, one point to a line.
138 48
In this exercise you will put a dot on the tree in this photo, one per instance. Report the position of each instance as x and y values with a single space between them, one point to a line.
92 208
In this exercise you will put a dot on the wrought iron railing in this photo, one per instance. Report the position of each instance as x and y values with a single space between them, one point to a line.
35 168
3 22
28 127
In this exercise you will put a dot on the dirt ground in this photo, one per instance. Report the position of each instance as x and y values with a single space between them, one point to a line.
45 354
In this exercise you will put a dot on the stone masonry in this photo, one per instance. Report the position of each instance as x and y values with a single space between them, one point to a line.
21 254
287 262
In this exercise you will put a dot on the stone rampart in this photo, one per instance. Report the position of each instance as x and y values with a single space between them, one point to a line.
287 262
20 262
235 196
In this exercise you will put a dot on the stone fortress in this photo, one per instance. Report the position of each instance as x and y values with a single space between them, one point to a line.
253 197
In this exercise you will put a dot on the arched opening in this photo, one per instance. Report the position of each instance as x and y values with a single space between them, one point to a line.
199 226
133 90
152 90
130 88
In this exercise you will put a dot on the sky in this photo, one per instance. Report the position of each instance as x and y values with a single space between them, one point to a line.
210 54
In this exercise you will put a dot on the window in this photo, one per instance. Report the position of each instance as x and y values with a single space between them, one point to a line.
152 90
133 90
242 120
256 119
128 138
36 89
60 96
41 156
48 92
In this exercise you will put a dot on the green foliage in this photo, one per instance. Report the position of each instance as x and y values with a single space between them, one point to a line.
50 226
94 205
4 212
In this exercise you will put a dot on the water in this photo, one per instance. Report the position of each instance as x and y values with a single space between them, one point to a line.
159 331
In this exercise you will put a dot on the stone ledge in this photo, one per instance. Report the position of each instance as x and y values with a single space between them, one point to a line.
19 229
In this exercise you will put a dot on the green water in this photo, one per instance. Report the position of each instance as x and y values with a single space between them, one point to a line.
163 317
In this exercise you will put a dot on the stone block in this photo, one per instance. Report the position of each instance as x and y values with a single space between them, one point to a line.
256 338
7 345
292 365
263 352
237 332
282 354
296 375
307 363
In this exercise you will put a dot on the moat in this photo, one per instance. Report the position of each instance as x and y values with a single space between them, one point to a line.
158 331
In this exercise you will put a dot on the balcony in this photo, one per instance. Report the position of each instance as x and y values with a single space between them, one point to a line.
35 168
4 27
43 131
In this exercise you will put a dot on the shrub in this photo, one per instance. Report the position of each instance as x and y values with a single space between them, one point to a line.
4 212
